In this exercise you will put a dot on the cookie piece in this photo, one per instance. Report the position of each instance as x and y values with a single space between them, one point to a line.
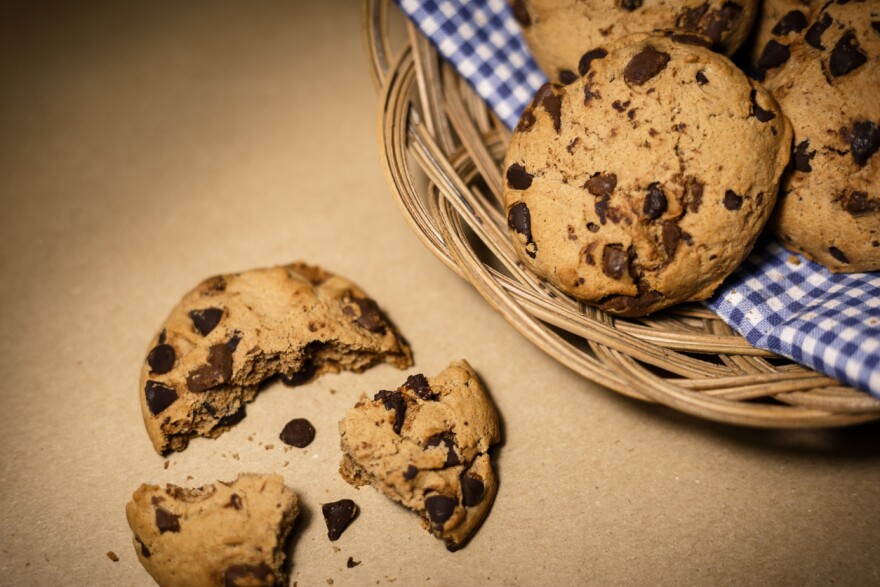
234 331
829 206
647 182
425 446
779 22
223 534
562 33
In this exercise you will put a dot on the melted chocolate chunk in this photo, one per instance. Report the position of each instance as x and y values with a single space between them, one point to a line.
234 502
299 432
232 419
758 112
601 185
217 371
865 140
351 563
393 400
792 22
588 58
260 575
615 261
589 93
567 76
552 104
521 13
644 65
838 254
419 385
161 359
444 439
631 305
232 343
166 521
338 515
518 178
410 473
693 194
629 5
472 490
800 157
206 320
592 227
370 317
813 36
304 375
773 55
846 56
689 39
519 219
732 201
526 121
145 552
601 207
440 507
159 396
712 23
671 237
655 202
701 78
858 203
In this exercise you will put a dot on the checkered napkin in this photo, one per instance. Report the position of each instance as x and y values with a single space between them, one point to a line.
778 301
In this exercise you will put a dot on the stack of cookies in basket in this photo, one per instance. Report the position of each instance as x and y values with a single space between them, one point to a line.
643 173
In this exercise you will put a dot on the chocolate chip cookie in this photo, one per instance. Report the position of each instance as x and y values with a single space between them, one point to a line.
234 331
425 445
829 207
646 182
561 33
218 535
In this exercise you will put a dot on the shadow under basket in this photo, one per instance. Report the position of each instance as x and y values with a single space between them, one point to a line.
441 151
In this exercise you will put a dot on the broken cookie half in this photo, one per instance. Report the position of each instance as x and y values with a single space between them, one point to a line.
234 331
425 445
224 534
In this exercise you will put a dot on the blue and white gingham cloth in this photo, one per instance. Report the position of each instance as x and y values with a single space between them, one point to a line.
777 301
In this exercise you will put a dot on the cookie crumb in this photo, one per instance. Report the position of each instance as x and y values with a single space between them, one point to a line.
269 446
167 463
189 477
794 260
329 581
332 391
285 463
351 563
336 549
112 555
235 455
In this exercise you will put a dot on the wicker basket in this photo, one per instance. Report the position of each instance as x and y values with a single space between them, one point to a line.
441 150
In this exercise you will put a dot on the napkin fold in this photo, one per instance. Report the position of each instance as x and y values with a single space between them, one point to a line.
777 300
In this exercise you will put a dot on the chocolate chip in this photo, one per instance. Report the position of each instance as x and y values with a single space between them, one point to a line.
631 305
865 140
773 55
876 26
232 419
217 371
214 285
758 112
671 236
792 22
419 385
162 336
846 56
732 201
701 78
813 35
338 515
620 107
589 93
299 432
592 227
838 254
629 5
161 359
601 185
440 507
518 178
687 238
370 317
521 13
567 76
260 575
520 220
646 64
526 121
232 343
712 23
552 104
206 320
615 261
858 203
693 194
145 552
234 502
166 521
451 456
655 202
159 396
588 58
601 207
305 374
800 157
689 39
472 490
351 563
410 473
393 400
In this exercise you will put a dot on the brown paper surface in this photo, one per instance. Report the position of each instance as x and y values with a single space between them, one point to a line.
147 145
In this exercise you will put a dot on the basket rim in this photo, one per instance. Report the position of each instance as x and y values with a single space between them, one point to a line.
431 118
